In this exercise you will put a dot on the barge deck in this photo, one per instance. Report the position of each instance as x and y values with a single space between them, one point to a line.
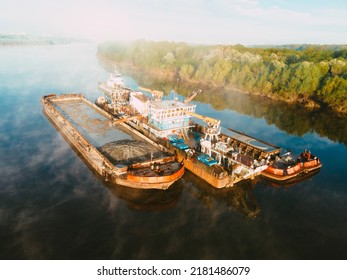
153 174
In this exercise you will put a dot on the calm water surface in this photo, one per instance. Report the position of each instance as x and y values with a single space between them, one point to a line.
52 206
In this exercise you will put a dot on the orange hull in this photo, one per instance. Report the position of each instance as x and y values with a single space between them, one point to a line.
198 169
154 180
143 182
277 174
312 163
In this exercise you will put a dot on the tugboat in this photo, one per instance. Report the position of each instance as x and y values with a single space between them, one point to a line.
114 88
115 80
288 166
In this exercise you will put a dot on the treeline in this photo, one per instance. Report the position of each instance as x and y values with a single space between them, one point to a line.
311 74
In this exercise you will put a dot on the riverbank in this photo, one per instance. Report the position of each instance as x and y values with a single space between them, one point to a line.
167 80
294 118
309 104
313 77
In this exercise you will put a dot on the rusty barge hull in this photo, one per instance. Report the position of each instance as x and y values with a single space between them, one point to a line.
215 178
191 164
208 174
96 160
291 177
196 168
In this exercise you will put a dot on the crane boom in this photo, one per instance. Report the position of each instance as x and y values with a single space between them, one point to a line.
192 96
156 93
213 125
127 119
206 119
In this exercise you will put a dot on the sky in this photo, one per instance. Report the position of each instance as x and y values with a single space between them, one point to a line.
247 22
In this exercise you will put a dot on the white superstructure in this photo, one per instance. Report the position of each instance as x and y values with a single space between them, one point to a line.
139 101
116 79
114 87
165 117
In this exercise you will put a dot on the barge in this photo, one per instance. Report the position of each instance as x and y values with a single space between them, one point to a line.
221 158
154 174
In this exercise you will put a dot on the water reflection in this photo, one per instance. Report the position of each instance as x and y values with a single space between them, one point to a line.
148 200
240 197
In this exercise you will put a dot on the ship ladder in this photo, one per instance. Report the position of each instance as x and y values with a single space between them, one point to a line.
185 134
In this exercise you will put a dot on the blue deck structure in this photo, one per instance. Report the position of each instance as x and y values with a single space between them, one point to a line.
206 159
168 115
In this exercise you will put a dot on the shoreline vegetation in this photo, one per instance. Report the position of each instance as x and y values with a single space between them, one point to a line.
314 76
294 119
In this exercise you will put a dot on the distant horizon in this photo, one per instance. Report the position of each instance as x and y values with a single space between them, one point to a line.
47 36
227 22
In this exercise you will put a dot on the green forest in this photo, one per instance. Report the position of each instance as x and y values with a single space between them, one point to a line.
313 75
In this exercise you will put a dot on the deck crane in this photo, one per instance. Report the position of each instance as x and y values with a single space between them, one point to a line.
194 93
213 125
211 132
157 94
136 117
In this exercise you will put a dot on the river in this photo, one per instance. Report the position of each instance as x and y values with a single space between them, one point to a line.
52 206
